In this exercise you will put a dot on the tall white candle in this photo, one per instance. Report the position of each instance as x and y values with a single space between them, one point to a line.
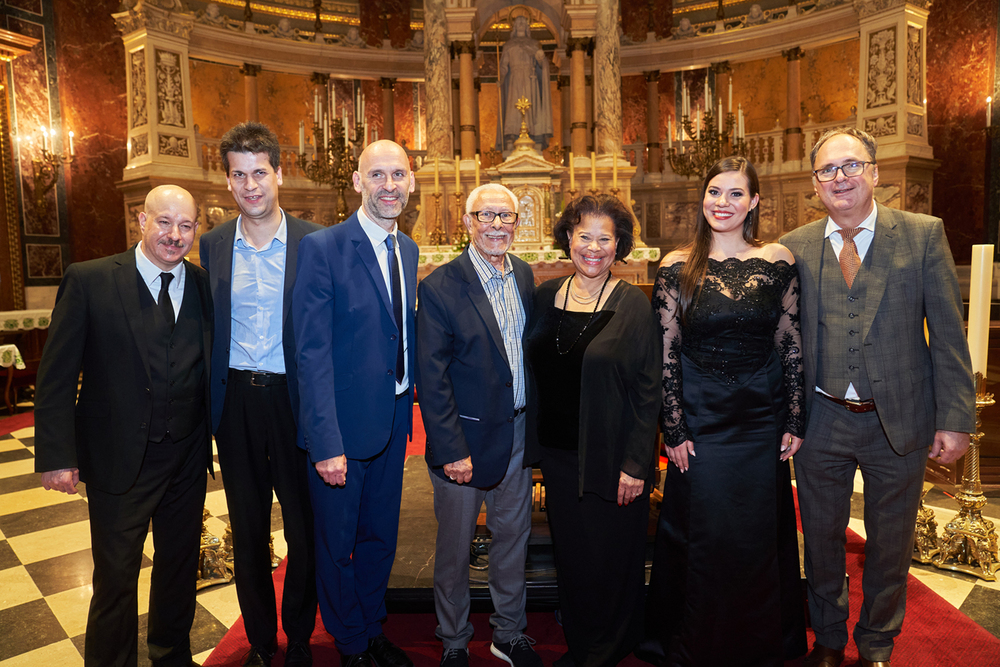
315 107
72 150
593 171
333 100
45 139
670 132
302 137
730 93
989 111
980 293
572 173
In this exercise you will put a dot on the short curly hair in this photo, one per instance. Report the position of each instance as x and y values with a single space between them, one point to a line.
605 205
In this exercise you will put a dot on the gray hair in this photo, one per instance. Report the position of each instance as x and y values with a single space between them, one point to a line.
490 187
867 140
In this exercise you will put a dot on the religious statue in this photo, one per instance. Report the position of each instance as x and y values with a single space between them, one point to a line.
212 15
416 43
684 29
524 72
353 38
756 16
284 29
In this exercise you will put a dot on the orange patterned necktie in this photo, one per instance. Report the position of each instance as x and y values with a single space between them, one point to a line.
850 262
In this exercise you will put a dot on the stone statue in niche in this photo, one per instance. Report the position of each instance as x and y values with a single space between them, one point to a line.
353 38
284 29
524 72
212 15
756 16
684 29
416 43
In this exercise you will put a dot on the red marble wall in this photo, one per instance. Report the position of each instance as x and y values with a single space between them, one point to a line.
372 28
633 109
961 44
91 67
641 16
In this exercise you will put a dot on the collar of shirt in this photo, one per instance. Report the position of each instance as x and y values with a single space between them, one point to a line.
150 274
485 270
375 233
868 223
281 236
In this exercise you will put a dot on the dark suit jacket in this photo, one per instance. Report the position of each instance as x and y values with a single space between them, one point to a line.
917 388
97 328
216 251
346 340
463 375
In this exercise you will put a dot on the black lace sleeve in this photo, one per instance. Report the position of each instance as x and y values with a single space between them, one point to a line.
788 342
666 293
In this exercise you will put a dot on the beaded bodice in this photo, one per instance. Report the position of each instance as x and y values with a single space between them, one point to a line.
745 310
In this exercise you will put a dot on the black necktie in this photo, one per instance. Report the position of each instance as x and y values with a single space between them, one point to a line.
397 302
163 301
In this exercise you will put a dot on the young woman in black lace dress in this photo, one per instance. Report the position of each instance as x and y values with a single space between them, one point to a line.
725 582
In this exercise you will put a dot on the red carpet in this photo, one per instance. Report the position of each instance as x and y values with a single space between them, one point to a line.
17 422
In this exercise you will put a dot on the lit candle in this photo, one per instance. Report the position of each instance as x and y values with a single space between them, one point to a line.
72 151
365 142
698 135
670 132
572 173
45 140
326 131
458 174
980 293
989 113
730 93
593 171
477 170
437 176
315 107
720 117
302 137
333 100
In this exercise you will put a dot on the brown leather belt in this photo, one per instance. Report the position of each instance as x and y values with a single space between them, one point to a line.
867 405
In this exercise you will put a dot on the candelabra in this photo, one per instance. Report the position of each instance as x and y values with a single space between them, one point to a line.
461 238
969 543
436 235
708 141
333 163
46 168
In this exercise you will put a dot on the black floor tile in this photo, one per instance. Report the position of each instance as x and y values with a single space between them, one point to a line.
28 626
78 642
15 455
982 606
206 632
7 556
24 482
29 521
55 575
28 442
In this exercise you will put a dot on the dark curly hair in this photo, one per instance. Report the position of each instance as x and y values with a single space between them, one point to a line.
603 205
250 137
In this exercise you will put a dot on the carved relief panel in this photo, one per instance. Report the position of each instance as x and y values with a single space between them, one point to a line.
881 88
531 213
914 65
138 67
169 89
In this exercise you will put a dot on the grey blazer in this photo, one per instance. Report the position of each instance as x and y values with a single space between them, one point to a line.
918 388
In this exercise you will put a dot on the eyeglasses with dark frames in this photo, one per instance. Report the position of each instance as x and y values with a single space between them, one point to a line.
850 169
487 217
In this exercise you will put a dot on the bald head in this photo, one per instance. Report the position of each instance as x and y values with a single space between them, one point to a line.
385 182
168 225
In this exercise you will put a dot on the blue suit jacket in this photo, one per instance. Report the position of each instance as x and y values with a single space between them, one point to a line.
346 339
216 252
464 377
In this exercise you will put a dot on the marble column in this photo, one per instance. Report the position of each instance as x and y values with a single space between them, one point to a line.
793 129
477 86
388 109
250 73
456 116
565 102
607 80
437 67
589 81
161 138
467 99
653 150
578 92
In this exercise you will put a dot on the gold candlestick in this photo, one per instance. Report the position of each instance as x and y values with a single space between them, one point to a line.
459 227
969 543
925 544
436 236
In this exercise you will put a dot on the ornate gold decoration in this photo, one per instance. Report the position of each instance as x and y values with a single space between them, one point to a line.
13 228
46 168
524 142
437 236
718 139
969 543
215 561
925 544
333 163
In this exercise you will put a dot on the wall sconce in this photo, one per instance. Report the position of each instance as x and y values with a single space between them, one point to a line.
46 168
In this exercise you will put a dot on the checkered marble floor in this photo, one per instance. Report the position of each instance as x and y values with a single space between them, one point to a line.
46 566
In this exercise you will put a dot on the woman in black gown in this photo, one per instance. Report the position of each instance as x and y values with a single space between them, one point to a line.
725 588
593 354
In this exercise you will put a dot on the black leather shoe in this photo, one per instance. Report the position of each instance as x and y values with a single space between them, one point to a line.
455 657
258 656
356 660
386 654
298 654
823 656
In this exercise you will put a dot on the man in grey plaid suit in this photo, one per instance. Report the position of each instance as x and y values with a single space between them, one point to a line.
881 397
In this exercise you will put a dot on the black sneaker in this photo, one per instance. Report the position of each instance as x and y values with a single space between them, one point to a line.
517 652
455 657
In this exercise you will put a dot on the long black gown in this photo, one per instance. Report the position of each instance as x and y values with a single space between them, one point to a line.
725 586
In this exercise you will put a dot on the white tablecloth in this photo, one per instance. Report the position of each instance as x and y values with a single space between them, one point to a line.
22 320
11 356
